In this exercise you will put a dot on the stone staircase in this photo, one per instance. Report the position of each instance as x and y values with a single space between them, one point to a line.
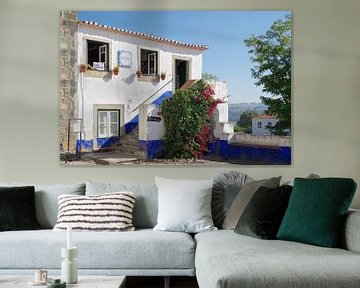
129 145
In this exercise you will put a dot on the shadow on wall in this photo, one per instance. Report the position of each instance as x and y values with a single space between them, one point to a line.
129 79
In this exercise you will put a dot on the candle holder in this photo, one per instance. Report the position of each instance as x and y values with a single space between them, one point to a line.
68 265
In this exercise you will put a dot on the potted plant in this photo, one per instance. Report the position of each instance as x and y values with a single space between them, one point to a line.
116 70
83 67
138 73
163 75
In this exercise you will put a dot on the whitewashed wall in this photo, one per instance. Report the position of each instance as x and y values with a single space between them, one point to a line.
150 130
221 92
264 122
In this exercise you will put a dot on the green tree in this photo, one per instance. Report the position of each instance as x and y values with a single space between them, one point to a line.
209 76
245 119
271 54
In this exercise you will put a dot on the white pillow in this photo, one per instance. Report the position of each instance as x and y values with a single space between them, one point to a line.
184 205
104 212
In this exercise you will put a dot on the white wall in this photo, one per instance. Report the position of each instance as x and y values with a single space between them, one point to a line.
263 130
222 92
326 85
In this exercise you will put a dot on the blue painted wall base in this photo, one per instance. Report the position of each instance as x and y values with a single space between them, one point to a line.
252 154
100 143
154 148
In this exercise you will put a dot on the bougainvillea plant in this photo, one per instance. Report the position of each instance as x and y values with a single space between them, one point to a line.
189 121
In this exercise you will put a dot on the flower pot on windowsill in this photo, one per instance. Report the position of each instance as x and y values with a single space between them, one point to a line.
138 73
83 68
116 71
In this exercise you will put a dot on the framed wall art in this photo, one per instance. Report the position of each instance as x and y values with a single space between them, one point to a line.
175 87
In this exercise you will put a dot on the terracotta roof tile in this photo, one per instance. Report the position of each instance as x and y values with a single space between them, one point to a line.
143 35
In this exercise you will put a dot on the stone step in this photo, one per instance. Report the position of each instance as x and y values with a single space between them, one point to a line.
128 146
128 141
127 149
131 151
114 158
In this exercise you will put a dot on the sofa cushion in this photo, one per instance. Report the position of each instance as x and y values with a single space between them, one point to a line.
105 212
184 205
317 209
146 205
263 215
17 208
243 198
350 239
225 259
142 249
225 189
46 200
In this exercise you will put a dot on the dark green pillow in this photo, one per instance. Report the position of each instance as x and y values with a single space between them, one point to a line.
316 211
17 209
263 214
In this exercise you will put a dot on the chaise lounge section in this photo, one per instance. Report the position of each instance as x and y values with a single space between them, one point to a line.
225 259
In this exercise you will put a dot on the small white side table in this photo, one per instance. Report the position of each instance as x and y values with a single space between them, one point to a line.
84 281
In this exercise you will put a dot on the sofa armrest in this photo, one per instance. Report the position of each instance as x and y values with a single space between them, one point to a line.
351 234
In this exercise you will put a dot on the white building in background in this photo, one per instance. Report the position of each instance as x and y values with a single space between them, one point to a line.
262 123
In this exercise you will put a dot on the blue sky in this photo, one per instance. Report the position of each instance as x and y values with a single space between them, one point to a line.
223 31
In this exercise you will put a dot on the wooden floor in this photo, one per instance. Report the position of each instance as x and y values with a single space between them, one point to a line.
158 282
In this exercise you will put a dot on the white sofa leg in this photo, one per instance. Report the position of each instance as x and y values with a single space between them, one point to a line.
167 282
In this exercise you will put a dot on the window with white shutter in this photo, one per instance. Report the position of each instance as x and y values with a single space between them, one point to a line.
108 123
149 62
98 54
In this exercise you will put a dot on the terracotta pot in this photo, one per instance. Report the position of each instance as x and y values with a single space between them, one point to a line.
116 71
162 77
83 68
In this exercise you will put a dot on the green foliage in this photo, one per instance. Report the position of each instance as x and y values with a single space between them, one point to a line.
188 118
271 54
209 77
245 119
238 129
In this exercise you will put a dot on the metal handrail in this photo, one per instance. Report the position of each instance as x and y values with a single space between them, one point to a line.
152 95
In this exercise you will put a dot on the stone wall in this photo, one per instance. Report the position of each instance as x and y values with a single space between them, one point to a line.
68 75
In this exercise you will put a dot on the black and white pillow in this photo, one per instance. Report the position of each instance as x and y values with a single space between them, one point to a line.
105 212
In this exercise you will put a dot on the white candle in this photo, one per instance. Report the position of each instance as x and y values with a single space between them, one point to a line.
69 239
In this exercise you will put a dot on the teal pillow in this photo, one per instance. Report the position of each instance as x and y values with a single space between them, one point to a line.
316 211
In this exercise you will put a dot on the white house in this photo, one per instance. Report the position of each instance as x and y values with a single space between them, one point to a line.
109 104
261 124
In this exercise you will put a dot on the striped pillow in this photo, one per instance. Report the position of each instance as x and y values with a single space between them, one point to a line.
105 212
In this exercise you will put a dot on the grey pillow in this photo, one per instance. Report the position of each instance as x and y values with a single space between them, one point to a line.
243 198
146 204
310 176
46 200
184 205
226 187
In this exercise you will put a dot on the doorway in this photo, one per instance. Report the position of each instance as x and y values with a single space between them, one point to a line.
181 72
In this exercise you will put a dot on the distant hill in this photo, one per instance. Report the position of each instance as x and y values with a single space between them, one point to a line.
236 109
